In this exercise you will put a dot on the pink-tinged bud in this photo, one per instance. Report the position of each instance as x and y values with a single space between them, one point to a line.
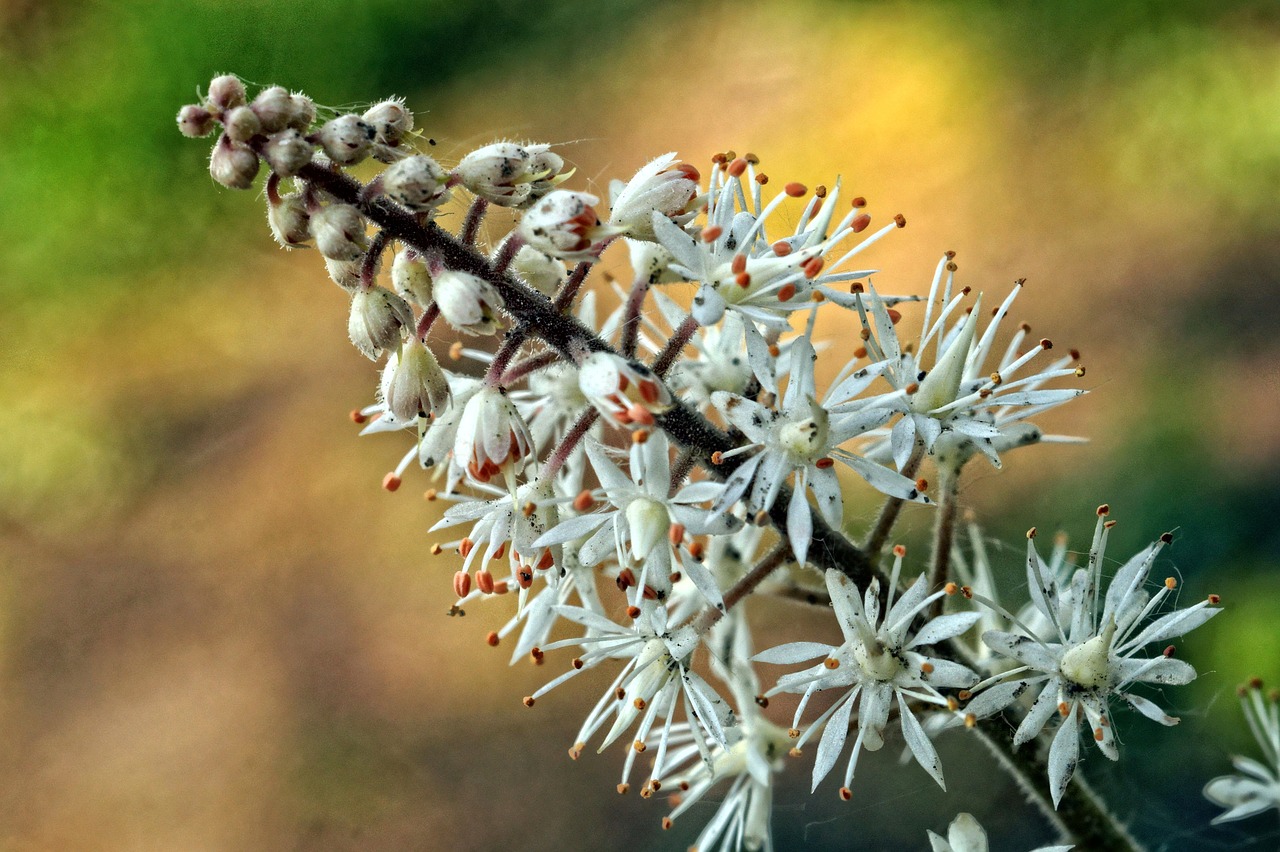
626 392
492 436
241 124
377 316
339 232
413 383
287 152
346 139
466 302
194 121
497 172
417 182
390 121
565 225
304 112
288 219
226 92
540 270
232 164
411 277
274 108
664 186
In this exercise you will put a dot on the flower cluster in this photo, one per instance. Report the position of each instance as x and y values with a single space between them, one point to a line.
629 481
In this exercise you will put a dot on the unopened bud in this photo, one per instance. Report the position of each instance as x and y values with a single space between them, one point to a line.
195 121
226 92
287 152
232 164
339 232
274 108
662 186
466 302
346 139
377 316
390 121
304 112
539 269
565 225
288 219
411 277
347 273
413 383
626 392
417 182
496 172
241 124
544 171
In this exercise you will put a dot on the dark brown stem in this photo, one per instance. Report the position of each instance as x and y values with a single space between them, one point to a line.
511 343
891 508
507 253
774 560
369 268
569 290
680 470
426 320
532 364
803 594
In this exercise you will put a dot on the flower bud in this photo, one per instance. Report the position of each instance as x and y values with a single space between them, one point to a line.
195 121
413 384
390 121
346 139
625 392
226 92
411 277
288 219
466 302
492 436
497 173
339 232
232 164
417 182
540 270
304 112
287 152
377 316
274 108
241 124
346 273
565 225
664 186
544 171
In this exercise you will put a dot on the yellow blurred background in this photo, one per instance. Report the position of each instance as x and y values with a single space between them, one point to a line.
217 632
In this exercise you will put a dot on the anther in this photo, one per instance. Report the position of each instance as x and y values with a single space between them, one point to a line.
911 388
1098 734
899 550
782 248
922 484
1215 599
762 178
970 720
1170 583
774 350
357 416
1104 510
762 702
737 167
742 279
623 788
951 588
576 751
787 291
1169 651
465 547
846 794
831 663
900 220
639 705
639 436
436 549
820 190
391 482
666 823
1046 343
964 695
717 457
697 550
492 639
793 733
710 235
429 495
577 663
639 746
926 668
859 201
824 463
633 612
675 534
1166 538
811 268
860 222
967 592
528 701
795 190
1064 709
1109 524
461 584
537 656
455 350
1031 533
739 264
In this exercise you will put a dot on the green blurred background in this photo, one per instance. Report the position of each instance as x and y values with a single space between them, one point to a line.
217 632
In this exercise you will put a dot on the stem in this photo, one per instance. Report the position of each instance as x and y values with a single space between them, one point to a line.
369 268
572 438
511 344
471 225
532 364
804 595
631 317
944 528
680 470
766 566
507 253
425 321
892 507
569 290
675 343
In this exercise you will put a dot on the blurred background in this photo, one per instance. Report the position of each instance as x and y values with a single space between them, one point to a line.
218 632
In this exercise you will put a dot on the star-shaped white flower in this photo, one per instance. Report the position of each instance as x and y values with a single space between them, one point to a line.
966 834
1257 787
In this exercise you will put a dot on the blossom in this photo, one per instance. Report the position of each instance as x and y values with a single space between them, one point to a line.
1089 655
506 525
966 834
663 185
623 390
467 302
805 436
412 382
564 224
1257 787
877 662
492 437
954 403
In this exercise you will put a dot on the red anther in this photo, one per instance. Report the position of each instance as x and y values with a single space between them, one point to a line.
583 501
492 638
546 560
900 550
774 350
860 352
951 266
742 279
1215 599
675 534
1098 734
820 191
786 293
824 463
689 171
633 612
640 436
710 235
639 704
666 823
817 296
1169 651
577 663
536 655
626 579
762 702
922 484
524 577
528 701
926 668
675 577
502 549
1075 354
900 220
1046 344
812 267
860 222
649 391
1031 533
831 663
737 167
1109 524
795 190
640 414
391 482
967 592
1064 709
739 264
576 751
1166 538
859 201
1104 510
846 794
461 584
484 581
911 388
465 547
622 417
782 248
649 593
623 382
357 416
501 587
719 159
894 316
697 549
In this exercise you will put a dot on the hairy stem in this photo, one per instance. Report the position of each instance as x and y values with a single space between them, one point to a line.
772 561
675 343
944 528
891 509
471 225
569 290
631 317
532 364
572 438
511 344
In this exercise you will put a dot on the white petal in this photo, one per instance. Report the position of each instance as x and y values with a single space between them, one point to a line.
926 755
793 652
1064 754
945 627
799 525
833 739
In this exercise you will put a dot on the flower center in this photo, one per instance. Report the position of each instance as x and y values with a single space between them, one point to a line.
1089 663
805 439
875 661
649 523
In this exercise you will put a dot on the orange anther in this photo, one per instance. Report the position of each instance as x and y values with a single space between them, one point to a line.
484 581
492 638
737 167
782 248
900 220
860 222
391 482
357 416
795 190
461 584
786 293
710 235
583 501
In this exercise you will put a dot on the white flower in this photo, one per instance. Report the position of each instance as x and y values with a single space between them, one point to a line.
1089 656
1257 787
509 174
879 660
960 405
467 302
564 224
643 524
804 437
663 186
966 834
507 525
626 392
376 321
412 382
492 437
